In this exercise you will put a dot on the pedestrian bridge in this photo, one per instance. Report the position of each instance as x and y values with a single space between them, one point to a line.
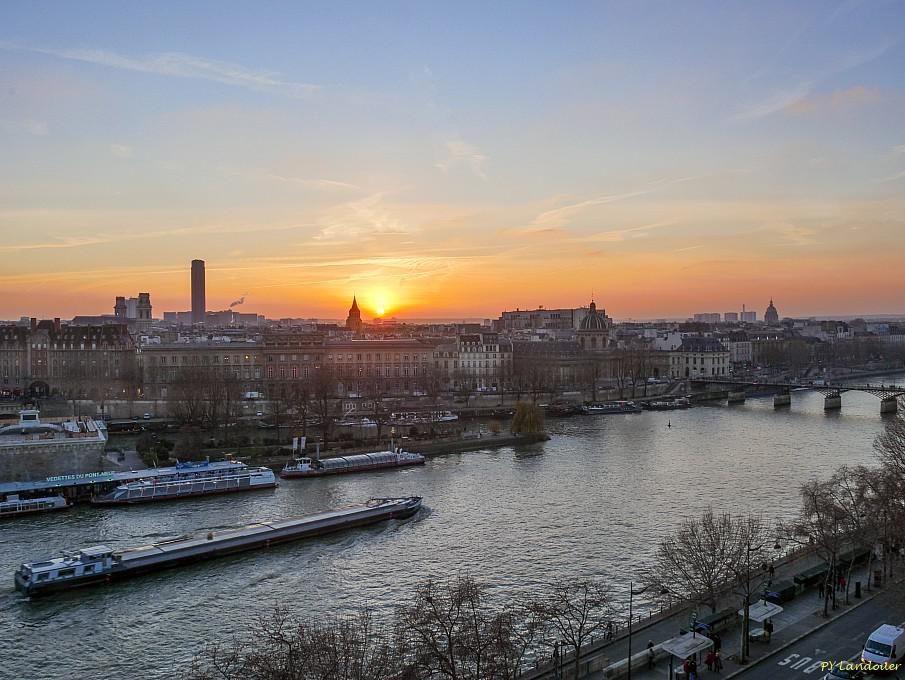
832 392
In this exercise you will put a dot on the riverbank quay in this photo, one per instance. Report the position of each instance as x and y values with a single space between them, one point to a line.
607 659
427 448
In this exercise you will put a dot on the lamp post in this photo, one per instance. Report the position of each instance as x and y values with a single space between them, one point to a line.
631 594
746 624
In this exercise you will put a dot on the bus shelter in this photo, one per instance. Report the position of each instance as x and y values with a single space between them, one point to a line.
760 612
685 646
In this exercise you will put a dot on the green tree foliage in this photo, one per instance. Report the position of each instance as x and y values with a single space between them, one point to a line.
528 419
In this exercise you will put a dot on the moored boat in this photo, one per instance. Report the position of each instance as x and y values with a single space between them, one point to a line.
611 407
13 506
195 480
101 564
308 467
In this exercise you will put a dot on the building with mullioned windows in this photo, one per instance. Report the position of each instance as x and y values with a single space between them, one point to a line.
47 357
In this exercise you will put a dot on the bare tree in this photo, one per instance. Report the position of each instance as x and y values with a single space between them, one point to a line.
821 525
278 397
189 395
352 648
300 401
576 610
323 391
450 632
698 561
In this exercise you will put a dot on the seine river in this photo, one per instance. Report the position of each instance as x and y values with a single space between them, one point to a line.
594 500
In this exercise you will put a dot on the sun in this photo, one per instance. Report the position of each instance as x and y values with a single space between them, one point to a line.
380 311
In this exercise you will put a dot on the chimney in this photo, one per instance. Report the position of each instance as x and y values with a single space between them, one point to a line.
56 324
34 323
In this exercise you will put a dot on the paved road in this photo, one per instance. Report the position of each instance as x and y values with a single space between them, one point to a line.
840 640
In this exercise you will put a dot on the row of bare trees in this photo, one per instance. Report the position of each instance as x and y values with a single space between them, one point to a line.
858 509
449 630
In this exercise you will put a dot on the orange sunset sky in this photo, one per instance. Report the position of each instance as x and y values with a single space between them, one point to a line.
441 165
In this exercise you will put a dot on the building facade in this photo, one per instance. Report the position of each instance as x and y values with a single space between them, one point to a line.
699 357
48 357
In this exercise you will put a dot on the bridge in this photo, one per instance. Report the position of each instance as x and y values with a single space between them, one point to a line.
832 392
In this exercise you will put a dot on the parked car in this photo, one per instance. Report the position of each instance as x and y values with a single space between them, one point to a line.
842 673
147 416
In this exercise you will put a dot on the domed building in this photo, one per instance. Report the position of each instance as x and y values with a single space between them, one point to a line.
771 316
594 331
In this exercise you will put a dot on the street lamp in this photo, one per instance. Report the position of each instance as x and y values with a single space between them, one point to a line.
631 594
746 624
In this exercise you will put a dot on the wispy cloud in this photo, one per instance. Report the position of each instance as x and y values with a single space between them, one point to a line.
463 153
175 64
564 214
320 184
121 150
38 128
836 100
894 177
786 97
359 220
616 235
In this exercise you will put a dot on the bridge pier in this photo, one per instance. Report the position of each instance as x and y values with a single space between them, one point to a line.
889 405
736 396
832 402
784 398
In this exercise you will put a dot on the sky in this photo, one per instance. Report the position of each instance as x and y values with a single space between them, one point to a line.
454 159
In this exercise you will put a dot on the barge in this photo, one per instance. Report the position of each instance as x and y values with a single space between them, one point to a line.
611 407
13 506
102 564
188 481
307 467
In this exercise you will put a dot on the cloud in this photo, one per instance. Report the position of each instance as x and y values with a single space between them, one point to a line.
359 220
176 64
463 153
900 149
893 178
121 150
776 102
38 128
562 215
835 101
319 184
616 235
782 99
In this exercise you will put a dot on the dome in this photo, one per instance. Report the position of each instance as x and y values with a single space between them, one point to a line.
594 321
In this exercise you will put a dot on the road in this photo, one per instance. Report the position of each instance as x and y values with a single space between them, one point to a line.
839 641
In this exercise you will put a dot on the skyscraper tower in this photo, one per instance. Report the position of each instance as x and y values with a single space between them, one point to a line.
199 306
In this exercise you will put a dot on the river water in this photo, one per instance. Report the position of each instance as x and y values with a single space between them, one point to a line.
594 500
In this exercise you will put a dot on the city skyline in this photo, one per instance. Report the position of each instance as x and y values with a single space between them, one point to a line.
450 162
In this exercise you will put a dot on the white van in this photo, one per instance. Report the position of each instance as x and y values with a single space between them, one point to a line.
887 643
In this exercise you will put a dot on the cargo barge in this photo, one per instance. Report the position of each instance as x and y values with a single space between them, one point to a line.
307 467
101 564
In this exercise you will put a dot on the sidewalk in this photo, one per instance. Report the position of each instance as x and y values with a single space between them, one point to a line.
799 616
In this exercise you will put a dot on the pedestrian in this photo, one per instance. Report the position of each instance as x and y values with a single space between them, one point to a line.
609 630
686 667
768 629
771 572
821 592
717 642
709 659
693 670
717 661
842 583
651 655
